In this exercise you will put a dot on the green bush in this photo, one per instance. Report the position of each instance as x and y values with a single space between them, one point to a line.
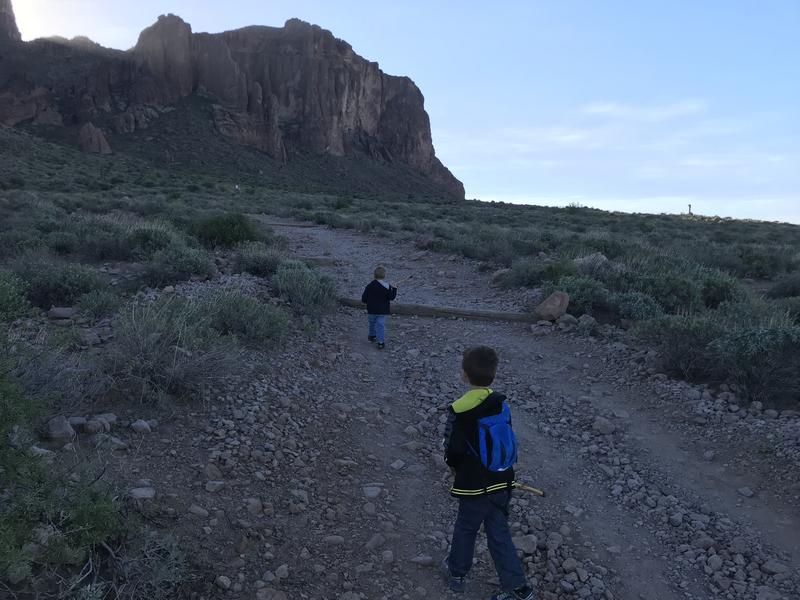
257 258
786 287
307 290
53 283
62 242
763 361
717 288
13 300
225 230
168 348
178 262
683 342
673 291
586 295
99 303
531 272
791 307
635 306
234 313
64 520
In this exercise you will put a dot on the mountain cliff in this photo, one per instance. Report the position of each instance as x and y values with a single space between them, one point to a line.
286 91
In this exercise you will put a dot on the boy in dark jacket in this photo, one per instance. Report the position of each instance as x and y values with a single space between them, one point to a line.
377 296
483 494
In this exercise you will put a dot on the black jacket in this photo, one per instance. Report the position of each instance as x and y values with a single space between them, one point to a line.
377 298
472 478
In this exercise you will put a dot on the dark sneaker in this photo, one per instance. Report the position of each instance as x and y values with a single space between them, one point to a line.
381 345
523 593
456 584
372 338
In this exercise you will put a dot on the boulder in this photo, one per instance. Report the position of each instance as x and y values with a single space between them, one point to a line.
553 307
59 430
567 323
498 277
8 23
603 426
91 139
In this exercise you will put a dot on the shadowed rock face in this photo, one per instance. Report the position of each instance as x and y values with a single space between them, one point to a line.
8 23
283 90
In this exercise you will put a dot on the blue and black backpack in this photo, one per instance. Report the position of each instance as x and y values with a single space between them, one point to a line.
497 444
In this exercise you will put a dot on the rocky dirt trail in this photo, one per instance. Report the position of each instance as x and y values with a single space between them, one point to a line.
322 478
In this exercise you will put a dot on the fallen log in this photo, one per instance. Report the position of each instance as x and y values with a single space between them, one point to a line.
420 310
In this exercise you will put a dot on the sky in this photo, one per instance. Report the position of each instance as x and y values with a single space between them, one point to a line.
639 106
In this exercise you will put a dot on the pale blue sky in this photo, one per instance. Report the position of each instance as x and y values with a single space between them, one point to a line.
619 104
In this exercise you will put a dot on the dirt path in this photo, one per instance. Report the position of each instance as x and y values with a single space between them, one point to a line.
323 478
652 551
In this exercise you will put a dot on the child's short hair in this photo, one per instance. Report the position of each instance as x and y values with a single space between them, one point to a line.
380 272
480 365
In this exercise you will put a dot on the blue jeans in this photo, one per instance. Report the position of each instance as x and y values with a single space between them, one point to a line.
492 511
377 327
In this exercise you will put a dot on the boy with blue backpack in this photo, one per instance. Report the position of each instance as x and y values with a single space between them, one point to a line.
481 449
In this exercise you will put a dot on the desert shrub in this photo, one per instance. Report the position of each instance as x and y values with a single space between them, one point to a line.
13 300
767 261
18 241
226 230
62 242
64 521
99 303
762 360
245 317
53 283
307 289
596 266
532 271
786 287
256 258
717 287
683 342
145 239
635 306
168 348
790 307
674 291
103 239
156 567
178 262
585 295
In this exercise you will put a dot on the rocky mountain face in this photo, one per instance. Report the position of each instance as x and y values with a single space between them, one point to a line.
282 90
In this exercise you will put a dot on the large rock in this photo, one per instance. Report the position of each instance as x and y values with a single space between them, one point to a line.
287 91
8 23
553 307
92 139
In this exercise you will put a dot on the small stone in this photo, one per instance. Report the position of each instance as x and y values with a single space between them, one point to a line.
526 543
282 572
714 562
397 465
372 492
746 492
773 567
603 426
423 560
387 556
141 426
212 472
569 565
254 506
676 519
214 486
142 493
333 540
198 511
222 582
376 541
60 312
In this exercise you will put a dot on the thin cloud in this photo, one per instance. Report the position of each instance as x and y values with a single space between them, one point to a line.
653 114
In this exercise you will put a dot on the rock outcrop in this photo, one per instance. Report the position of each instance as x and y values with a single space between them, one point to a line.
92 139
286 91
8 23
